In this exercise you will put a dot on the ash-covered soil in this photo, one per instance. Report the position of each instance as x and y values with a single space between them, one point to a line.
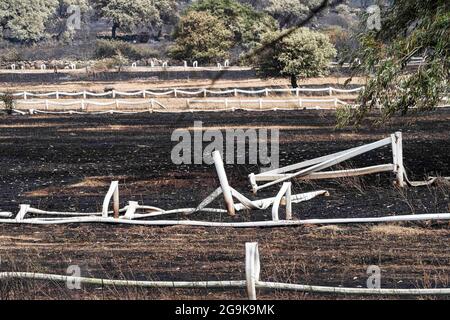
66 163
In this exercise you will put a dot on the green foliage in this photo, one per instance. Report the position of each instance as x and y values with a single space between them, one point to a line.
290 12
304 53
26 20
10 56
127 15
247 24
203 37
110 48
119 61
64 32
409 28
8 102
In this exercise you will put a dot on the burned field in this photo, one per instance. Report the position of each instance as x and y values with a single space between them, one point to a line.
67 162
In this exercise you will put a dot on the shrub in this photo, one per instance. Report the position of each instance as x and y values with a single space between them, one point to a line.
8 101
201 36
304 53
109 48
10 55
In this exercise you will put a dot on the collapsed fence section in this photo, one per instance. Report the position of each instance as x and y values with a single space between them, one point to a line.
134 213
312 169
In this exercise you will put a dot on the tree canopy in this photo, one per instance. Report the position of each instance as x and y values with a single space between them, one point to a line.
247 24
203 37
408 28
127 15
304 53
289 12
26 20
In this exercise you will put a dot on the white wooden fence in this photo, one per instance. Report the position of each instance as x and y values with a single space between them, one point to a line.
260 103
177 92
251 283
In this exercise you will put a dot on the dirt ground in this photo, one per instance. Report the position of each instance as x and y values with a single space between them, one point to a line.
66 163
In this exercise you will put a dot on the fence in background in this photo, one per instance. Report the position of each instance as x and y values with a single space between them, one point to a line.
177 92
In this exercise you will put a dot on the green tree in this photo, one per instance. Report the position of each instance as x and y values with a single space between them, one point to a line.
26 20
247 24
203 37
408 28
304 53
127 15
63 30
289 12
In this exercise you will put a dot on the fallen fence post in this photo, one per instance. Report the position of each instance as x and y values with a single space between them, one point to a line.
113 192
226 189
276 203
22 212
252 268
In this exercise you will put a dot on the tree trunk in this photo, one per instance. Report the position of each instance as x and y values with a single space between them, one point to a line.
114 30
294 81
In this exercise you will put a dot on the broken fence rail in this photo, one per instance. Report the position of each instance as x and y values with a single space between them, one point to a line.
312 169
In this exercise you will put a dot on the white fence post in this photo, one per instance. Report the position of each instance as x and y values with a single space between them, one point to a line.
289 202
13 67
46 104
276 202
226 189
227 63
195 64
252 268
152 104
22 212
397 154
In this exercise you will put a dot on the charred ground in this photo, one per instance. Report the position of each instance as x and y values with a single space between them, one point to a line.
66 163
